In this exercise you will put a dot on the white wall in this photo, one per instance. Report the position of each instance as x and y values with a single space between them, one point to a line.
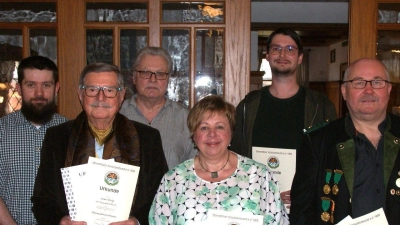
318 62
341 57
254 51
305 12
321 69
299 12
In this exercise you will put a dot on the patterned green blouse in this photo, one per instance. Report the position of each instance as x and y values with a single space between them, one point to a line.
183 198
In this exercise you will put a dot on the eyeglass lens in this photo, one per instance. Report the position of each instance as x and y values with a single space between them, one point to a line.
148 74
109 92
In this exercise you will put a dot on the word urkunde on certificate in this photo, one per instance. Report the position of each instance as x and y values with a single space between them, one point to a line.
101 191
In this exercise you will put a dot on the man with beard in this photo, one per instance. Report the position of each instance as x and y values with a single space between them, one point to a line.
351 166
21 136
276 115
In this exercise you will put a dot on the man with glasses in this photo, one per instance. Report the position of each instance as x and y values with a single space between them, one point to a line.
351 166
98 131
150 104
276 115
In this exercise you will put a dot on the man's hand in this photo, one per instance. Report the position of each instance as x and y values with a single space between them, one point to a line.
66 220
285 196
131 221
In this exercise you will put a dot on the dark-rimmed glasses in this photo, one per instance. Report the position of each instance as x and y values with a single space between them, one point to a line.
147 74
276 49
93 91
360 84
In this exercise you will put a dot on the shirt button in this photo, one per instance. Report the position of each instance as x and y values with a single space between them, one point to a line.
378 165
378 191
37 149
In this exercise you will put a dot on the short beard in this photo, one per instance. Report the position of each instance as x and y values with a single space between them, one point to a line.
281 73
38 114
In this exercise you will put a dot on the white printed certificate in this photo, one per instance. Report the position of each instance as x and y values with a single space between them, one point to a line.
108 188
376 217
231 218
281 162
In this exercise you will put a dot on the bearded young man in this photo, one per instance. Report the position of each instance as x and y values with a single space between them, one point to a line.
21 136
276 115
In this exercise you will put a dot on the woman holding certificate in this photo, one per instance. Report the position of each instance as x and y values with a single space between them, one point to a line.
217 185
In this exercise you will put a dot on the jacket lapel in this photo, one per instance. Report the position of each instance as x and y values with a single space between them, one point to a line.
346 152
391 149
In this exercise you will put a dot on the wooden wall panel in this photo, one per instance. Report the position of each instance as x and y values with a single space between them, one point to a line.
237 50
71 54
362 29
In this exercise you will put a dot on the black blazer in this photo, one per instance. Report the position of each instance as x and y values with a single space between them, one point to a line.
331 148
49 202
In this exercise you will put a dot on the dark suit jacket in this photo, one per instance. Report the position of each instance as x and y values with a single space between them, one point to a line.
49 202
333 148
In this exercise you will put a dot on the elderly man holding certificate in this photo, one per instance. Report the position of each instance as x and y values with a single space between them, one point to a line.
101 132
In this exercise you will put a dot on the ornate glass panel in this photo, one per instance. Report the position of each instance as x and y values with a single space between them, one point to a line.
209 62
99 46
116 12
28 12
177 43
388 13
192 12
388 51
10 55
43 42
131 41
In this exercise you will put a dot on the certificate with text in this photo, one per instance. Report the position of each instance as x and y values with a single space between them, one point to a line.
281 162
376 217
109 188
231 218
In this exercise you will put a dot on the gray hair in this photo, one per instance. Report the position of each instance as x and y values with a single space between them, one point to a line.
154 51
101 67
348 70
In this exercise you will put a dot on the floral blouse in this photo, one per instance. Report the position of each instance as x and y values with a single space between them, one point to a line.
183 198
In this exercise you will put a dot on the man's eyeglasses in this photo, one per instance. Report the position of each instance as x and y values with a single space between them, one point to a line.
360 84
147 74
93 91
276 49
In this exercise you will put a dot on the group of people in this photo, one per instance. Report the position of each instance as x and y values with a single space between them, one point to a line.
198 160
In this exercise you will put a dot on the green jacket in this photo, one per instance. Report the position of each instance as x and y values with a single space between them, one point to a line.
318 108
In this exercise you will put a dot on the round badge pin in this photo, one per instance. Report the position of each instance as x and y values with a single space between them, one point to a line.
398 182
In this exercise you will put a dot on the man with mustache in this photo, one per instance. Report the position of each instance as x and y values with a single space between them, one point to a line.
276 115
150 105
21 135
98 131
351 166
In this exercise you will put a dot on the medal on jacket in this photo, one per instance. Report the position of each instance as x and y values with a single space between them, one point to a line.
326 187
326 203
332 210
336 179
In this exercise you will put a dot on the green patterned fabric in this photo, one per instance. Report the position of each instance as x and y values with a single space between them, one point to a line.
183 198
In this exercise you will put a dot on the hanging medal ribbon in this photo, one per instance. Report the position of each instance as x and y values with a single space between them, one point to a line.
332 210
328 176
326 203
336 179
